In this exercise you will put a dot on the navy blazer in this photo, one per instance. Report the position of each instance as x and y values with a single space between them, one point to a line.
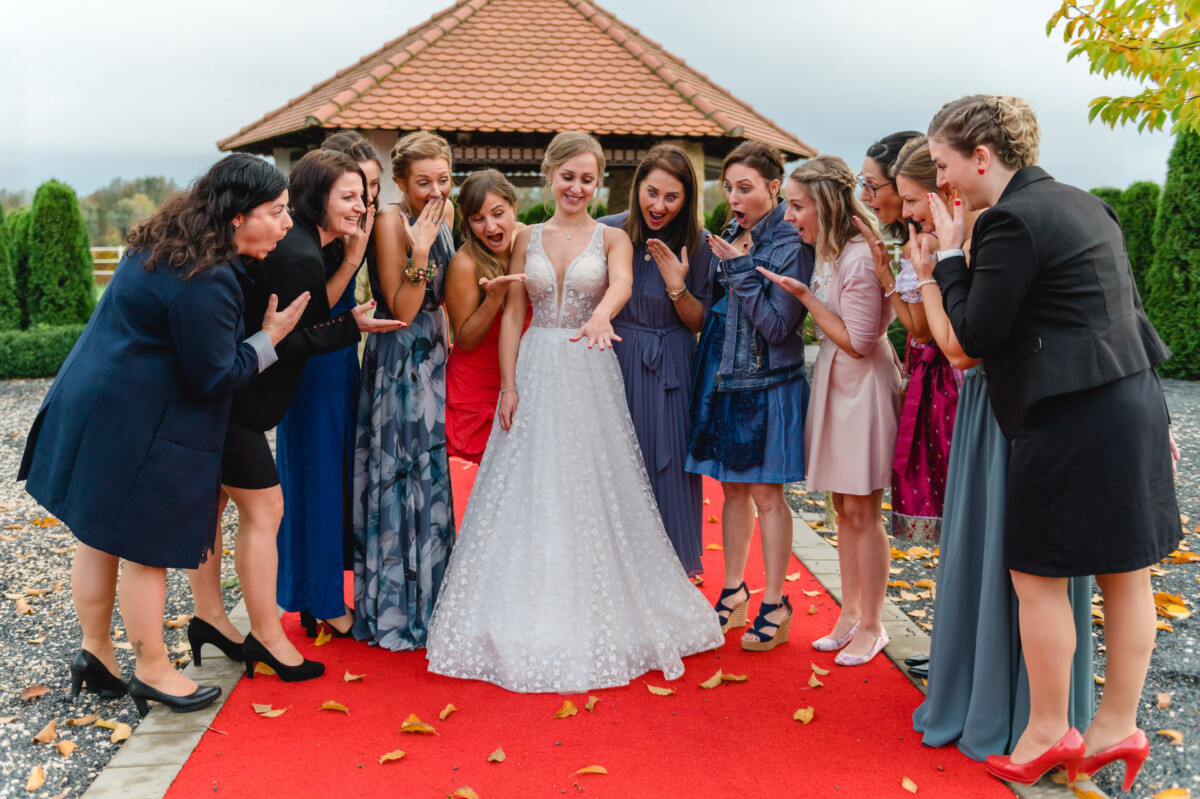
1049 302
126 449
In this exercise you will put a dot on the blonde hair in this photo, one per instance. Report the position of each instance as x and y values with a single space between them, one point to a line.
831 185
474 191
915 163
1005 123
419 146
567 145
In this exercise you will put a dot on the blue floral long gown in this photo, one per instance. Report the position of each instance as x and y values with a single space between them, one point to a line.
403 509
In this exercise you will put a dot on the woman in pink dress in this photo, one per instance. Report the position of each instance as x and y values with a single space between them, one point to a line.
850 432
477 281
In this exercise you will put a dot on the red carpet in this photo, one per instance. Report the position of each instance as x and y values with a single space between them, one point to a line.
737 740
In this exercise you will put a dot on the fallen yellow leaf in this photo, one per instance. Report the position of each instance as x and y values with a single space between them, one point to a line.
323 637
121 733
654 689
105 723
48 733
567 710
908 785
899 554
804 715
33 692
925 583
811 593
259 668
1164 625
817 669
13 596
37 778
919 552
268 712
11 719
812 609
707 501
1084 793
49 521
591 704
899 584
348 677
885 505
791 578
38 640
1176 737
713 520
446 711
414 724
813 682
713 681
65 748
734 678
591 770
179 621
918 613
465 793
1099 680
1173 793
714 546
1164 701
395 754
23 608
331 705
497 756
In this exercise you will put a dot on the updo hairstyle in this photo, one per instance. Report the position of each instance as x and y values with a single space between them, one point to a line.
1002 122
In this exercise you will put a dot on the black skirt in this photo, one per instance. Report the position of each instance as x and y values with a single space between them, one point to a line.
1091 489
247 461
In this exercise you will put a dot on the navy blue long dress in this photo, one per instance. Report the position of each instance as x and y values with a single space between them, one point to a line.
314 450
656 354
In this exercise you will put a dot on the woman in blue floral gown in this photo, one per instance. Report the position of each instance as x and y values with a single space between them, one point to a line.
403 510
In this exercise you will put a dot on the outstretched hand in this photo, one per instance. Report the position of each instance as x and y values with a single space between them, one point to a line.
597 330
879 253
951 229
497 286
369 324
277 324
723 249
789 284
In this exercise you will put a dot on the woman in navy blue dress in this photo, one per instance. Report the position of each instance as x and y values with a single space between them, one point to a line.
314 444
126 448
750 392
657 328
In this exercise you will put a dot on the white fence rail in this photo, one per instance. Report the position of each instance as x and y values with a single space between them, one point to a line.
104 263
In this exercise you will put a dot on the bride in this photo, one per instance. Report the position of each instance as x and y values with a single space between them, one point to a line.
563 578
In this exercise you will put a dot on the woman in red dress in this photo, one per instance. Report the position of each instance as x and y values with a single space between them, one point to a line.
476 283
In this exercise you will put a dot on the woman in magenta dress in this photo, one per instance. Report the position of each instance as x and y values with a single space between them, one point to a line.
927 412
477 282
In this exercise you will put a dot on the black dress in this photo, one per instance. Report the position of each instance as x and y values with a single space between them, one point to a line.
1050 305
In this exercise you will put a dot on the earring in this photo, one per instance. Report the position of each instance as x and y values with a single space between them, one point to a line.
981 170
236 225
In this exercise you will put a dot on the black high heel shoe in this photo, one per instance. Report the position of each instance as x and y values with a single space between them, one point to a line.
202 697
255 652
309 622
87 671
200 632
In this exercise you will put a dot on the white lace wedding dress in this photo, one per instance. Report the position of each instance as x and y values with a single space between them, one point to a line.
563 578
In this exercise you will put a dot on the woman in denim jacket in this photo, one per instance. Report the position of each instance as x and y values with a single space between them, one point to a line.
750 391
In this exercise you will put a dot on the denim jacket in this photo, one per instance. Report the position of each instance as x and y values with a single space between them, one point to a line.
763 346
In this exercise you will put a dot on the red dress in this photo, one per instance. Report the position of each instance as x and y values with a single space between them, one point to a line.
472 392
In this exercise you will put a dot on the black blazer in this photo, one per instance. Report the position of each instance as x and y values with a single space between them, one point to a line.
296 265
1049 302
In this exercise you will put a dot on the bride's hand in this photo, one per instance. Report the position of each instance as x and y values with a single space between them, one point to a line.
507 408
597 330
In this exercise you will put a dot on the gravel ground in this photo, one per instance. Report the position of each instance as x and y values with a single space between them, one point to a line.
38 646
1175 667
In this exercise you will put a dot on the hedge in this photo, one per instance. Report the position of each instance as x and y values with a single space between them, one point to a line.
17 228
10 304
37 352
1173 283
1109 195
1137 210
59 281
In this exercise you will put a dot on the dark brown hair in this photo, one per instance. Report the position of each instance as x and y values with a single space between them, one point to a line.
353 144
1005 123
762 158
684 229
194 227
884 153
312 179
474 190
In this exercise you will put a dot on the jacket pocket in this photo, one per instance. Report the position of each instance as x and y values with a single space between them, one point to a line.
1027 347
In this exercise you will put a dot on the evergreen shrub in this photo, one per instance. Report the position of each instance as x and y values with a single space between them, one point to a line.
17 228
59 278
1137 210
10 304
36 352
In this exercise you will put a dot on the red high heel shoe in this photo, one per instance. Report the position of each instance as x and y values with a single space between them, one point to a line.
1133 750
1067 752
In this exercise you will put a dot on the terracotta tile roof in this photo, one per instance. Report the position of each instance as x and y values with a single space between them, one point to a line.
529 66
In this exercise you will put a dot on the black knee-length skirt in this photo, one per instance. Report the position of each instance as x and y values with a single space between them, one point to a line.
1091 489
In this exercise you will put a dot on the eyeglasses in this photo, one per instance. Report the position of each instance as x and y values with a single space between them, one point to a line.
871 188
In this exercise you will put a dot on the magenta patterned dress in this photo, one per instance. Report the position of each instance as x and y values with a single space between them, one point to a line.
923 440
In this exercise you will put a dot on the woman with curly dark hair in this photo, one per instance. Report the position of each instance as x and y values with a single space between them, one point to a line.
126 448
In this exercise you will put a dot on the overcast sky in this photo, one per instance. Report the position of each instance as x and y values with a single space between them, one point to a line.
92 91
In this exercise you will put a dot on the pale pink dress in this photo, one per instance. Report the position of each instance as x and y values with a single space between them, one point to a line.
850 432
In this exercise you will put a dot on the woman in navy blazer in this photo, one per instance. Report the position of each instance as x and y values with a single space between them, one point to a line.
126 449
1050 305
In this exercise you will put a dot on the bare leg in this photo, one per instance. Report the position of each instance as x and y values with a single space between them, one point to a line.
1047 643
206 586
143 601
737 529
257 558
775 528
1129 632
859 519
847 548
94 590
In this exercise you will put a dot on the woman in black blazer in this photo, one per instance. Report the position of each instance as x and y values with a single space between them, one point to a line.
126 448
1050 306
328 201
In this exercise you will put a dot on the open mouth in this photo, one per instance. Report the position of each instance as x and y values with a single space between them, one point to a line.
573 198
656 220
740 217
495 242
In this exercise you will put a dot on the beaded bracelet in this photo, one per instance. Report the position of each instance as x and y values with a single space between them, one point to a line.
416 274
926 282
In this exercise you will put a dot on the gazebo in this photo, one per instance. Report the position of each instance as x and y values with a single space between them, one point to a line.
498 78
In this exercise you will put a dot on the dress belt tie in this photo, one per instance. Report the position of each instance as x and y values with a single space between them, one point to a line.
652 359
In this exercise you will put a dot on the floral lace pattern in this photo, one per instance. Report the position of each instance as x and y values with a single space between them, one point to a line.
906 282
819 285
563 578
